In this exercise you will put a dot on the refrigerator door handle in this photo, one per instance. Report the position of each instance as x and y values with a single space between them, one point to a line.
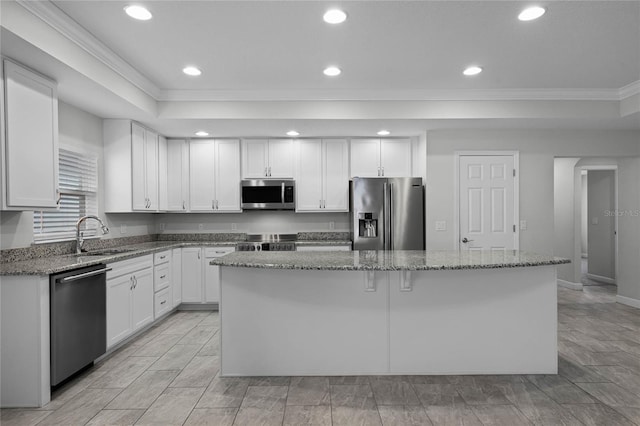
387 217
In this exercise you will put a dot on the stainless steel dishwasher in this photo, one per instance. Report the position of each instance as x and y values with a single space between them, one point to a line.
78 320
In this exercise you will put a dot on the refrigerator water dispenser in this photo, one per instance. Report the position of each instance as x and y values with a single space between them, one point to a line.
368 225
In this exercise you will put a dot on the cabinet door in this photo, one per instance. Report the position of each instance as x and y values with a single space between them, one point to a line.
151 169
281 158
177 175
227 171
201 175
176 276
142 298
309 180
138 164
192 275
162 173
255 158
31 145
365 157
336 176
395 157
119 308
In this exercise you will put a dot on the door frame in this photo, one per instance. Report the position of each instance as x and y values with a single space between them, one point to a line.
577 255
516 192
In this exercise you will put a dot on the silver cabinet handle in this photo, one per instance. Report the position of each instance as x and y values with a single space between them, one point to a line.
162 257
378 171
59 196
163 302
320 204
84 275
131 279
382 171
269 171
162 277
265 171
213 204
198 254
217 205
465 240
183 207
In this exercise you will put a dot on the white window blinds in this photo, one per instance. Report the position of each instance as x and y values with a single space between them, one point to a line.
78 182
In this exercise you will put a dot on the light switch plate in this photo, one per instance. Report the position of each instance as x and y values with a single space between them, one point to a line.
332 225
200 226
441 225
523 225
123 229
234 226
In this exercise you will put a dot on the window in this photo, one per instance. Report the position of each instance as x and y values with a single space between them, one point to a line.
78 183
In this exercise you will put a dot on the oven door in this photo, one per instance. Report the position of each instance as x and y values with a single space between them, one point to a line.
268 194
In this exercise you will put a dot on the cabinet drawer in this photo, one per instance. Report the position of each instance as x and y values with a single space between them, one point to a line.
162 257
162 303
129 266
161 276
217 251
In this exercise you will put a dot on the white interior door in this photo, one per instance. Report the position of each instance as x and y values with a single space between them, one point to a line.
487 202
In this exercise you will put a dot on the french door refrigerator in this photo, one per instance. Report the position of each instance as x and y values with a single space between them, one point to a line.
387 213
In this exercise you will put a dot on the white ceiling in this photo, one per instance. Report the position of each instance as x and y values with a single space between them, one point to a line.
398 50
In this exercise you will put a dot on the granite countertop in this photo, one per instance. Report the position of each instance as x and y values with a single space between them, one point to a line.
395 260
53 264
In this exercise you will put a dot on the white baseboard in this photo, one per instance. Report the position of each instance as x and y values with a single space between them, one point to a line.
601 279
569 285
628 301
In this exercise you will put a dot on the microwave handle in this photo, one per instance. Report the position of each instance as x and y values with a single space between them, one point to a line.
282 193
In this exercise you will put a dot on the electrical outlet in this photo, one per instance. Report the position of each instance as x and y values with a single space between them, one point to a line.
200 226
523 225
441 225
123 229
332 225
161 226
234 226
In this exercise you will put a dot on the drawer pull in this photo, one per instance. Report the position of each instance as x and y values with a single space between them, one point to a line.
163 302
162 257
162 277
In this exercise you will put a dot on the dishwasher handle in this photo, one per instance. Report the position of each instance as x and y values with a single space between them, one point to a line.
85 275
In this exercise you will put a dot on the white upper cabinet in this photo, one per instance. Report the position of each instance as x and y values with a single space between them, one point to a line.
162 174
29 136
381 157
214 170
131 167
267 158
177 175
322 182
144 168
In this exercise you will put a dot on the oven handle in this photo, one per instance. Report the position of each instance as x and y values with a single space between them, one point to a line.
85 275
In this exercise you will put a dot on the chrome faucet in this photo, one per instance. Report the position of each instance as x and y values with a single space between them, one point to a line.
80 235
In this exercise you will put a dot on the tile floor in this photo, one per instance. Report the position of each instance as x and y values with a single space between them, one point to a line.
169 376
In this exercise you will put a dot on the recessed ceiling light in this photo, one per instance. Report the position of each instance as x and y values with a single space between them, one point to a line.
332 71
334 16
193 71
138 12
384 133
202 133
292 133
473 70
531 13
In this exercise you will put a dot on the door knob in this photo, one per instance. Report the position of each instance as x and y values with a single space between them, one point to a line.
465 240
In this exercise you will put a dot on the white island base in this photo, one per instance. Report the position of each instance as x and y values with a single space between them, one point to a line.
291 322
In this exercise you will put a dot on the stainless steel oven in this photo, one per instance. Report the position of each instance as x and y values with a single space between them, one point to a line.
268 194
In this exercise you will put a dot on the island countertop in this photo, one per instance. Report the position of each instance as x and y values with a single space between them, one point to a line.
393 260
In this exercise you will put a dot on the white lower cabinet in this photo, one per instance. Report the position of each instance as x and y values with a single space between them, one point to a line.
344 247
192 275
129 297
212 273
201 281
162 283
176 277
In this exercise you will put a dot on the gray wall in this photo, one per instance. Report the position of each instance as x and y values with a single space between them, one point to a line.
601 223
564 214
628 279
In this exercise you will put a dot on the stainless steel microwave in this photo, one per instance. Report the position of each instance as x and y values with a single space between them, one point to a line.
268 194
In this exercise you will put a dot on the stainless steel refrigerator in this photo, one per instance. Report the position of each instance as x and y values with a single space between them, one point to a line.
387 213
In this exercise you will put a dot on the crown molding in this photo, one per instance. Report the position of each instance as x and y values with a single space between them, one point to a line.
629 90
61 22
391 95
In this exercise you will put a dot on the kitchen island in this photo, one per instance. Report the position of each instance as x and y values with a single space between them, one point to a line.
388 312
